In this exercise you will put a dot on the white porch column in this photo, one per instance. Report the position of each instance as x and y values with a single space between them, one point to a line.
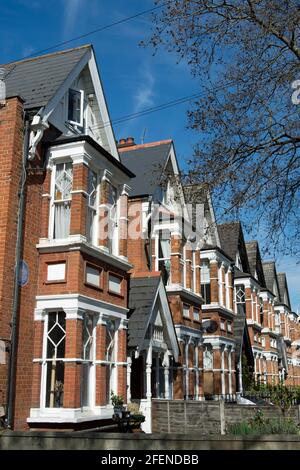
240 375
197 370
157 376
187 368
129 362
229 371
148 372
166 374
223 370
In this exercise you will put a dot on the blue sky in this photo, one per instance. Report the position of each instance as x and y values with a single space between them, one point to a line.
132 77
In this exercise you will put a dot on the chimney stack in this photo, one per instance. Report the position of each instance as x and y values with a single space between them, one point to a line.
129 142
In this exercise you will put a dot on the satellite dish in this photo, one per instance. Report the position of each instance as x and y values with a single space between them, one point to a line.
209 326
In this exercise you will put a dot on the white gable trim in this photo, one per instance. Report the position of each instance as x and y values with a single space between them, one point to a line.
166 318
54 101
96 79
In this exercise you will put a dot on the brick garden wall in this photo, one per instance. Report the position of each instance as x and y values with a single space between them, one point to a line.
188 417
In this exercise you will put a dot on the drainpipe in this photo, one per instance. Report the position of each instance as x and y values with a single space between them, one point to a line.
150 239
14 320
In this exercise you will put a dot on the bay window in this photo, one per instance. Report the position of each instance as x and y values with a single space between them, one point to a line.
164 254
55 357
62 199
75 107
88 358
112 200
91 218
205 281
111 353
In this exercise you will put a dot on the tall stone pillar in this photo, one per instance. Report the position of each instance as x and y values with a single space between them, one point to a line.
214 286
176 253
188 263
197 273
217 365
123 221
103 241
101 373
122 356
73 351
79 203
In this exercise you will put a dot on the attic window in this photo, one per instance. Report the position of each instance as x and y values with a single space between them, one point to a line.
75 107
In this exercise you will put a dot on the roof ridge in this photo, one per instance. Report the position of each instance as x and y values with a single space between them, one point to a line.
31 59
237 222
149 144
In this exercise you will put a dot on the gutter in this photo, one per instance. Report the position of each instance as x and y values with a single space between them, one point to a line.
16 296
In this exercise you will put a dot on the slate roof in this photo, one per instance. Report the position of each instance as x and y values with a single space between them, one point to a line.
255 263
232 241
147 163
142 292
241 335
283 289
270 275
37 79
195 194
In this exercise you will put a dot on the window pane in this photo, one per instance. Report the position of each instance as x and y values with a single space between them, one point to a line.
186 310
62 199
88 328
205 272
114 284
205 293
56 336
56 272
74 108
93 275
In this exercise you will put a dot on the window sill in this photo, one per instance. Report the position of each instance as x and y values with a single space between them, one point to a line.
69 415
92 286
63 281
116 294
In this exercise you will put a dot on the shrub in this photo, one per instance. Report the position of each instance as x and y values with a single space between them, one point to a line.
259 425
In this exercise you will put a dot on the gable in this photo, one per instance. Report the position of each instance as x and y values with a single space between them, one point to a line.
255 262
44 83
233 243
149 306
37 80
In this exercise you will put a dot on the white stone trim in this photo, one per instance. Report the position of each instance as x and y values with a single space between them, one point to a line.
69 415
79 303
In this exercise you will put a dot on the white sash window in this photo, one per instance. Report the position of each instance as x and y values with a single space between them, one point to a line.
62 200
91 219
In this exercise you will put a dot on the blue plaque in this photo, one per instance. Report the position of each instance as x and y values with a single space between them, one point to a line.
23 273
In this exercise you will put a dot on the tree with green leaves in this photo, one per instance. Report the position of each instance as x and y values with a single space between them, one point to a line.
246 56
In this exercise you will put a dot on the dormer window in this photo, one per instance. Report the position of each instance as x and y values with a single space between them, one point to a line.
75 107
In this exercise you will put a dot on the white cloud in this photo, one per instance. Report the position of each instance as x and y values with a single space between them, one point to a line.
144 94
72 10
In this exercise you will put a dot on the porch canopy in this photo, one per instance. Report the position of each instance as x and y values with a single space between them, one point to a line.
152 341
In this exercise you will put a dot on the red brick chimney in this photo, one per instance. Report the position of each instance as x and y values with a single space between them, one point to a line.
129 142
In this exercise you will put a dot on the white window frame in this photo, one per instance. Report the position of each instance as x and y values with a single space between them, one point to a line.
164 259
120 284
53 202
91 362
196 312
184 309
79 124
94 238
45 361
113 228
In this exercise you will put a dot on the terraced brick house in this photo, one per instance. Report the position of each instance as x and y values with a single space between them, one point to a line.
69 302
263 295
114 276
